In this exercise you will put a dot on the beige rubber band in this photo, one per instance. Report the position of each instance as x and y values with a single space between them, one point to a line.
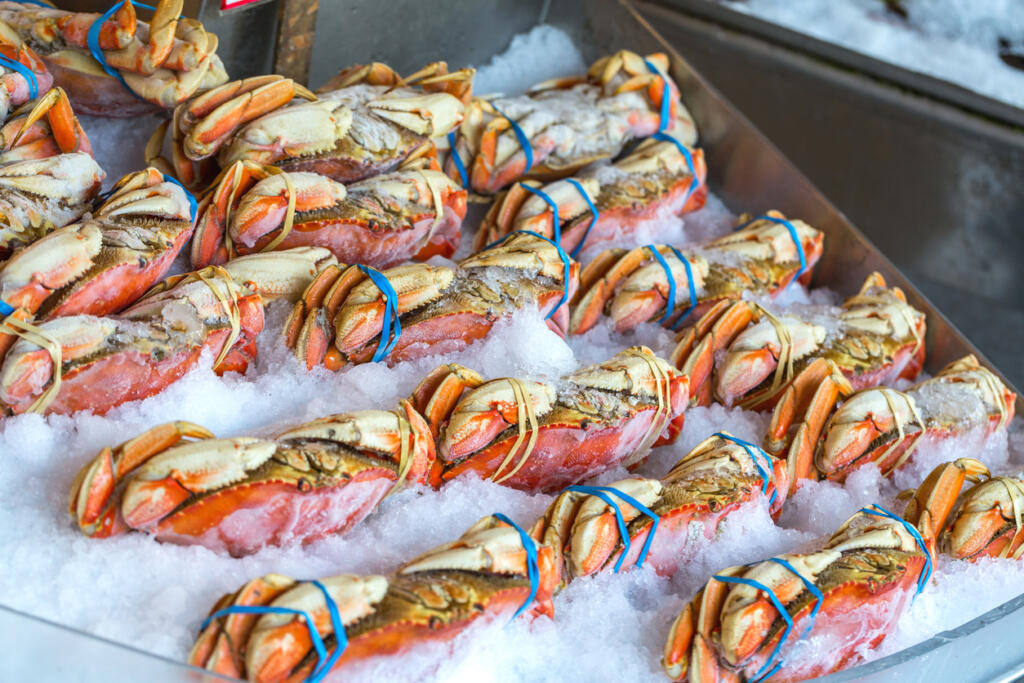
525 417
887 395
662 391
230 307
784 367
35 335
404 461
289 214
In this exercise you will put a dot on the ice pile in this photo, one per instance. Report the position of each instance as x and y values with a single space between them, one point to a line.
612 627
953 40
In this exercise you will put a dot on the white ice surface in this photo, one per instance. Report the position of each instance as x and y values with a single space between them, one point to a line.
611 627
953 40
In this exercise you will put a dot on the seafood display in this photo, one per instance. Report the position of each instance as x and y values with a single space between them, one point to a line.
397 395
380 222
240 494
114 64
562 125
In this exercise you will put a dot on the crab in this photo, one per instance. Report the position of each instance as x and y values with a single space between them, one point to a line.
883 425
632 287
340 320
541 436
733 630
39 195
381 222
656 179
484 576
743 355
710 482
315 479
568 123
364 122
148 65
94 363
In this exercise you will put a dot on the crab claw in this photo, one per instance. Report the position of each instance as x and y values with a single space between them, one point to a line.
437 394
93 503
488 410
278 642
433 114
989 521
934 500
166 480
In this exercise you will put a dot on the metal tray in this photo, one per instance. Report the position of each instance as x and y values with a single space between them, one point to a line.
745 170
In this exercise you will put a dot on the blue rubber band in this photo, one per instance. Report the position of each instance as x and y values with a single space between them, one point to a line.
40 3
761 675
753 451
324 662
809 585
524 141
602 493
555 220
566 263
193 207
694 182
665 103
926 573
670 302
792 233
26 73
531 561
593 210
459 166
392 327
5 308
93 41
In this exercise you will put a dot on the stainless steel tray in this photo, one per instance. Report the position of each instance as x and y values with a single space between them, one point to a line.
745 170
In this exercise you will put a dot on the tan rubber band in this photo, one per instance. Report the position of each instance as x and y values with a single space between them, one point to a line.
289 214
526 418
35 335
887 394
662 392
230 307
404 461
784 367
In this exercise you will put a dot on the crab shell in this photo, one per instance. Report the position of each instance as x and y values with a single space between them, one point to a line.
481 577
599 417
866 572
865 428
241 494
652 182
109 360
339 319
569 123
378 222
39 195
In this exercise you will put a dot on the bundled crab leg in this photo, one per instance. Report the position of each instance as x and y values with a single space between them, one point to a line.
561 126
718 476
875 338
354 315
42 128
380 222
22 73
764 256
850 593
366 121
493 572
116 65
38 196
88 362
883 425
106 263
987 522
238 495
658 178
539 436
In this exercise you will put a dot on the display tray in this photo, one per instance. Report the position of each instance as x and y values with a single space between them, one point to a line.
749 174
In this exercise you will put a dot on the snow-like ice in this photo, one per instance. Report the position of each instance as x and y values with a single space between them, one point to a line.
953 40
153 596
